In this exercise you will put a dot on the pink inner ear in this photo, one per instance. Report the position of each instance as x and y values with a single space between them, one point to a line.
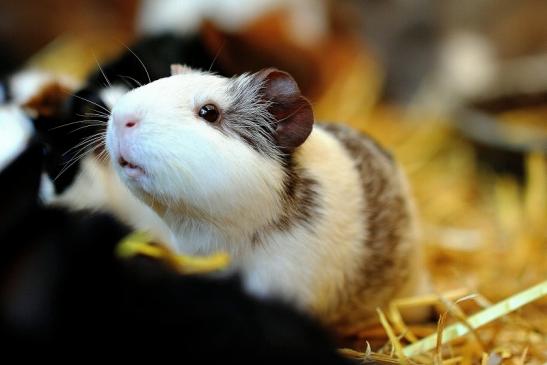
292 111
178 69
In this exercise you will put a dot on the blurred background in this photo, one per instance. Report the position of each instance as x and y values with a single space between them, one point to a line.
457 89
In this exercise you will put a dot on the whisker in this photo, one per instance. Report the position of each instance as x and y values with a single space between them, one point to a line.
82 152
89 101
85 126
128 84
98 115
74 161
102 72
132 79
80 122
100 111
83 146
98 120
140 61
87 141
103 156
216 56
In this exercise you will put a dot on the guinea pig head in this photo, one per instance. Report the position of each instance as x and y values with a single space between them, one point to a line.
208 144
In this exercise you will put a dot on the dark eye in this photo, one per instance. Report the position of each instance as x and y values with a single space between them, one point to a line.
209 112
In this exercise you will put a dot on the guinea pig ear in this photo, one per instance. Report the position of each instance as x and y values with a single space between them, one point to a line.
178 69
292 112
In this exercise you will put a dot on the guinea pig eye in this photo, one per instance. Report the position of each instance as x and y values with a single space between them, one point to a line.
209 112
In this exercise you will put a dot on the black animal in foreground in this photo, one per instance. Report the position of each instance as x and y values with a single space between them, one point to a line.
63 289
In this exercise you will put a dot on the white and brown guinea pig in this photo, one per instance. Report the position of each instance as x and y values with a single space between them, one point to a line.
318 215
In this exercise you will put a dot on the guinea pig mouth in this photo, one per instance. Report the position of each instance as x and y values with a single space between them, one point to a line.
130 169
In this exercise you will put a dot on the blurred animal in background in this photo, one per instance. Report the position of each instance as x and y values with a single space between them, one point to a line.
403 35
70 122
306 21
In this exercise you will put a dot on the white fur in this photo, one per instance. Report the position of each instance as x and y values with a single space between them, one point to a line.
27 83
157 16
307 19
97 187
311 267
110 95
15 132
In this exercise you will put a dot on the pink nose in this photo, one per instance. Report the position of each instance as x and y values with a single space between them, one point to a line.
125 122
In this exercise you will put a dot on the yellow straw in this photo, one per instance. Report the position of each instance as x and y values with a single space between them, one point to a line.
488 315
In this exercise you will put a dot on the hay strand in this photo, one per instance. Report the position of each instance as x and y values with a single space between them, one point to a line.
139 243
488 315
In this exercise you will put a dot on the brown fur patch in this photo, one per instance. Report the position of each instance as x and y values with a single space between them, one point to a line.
300 197
354 141
49 100
300 201
389 221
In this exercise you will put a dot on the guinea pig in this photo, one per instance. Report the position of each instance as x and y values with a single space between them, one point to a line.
316 214
68 125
